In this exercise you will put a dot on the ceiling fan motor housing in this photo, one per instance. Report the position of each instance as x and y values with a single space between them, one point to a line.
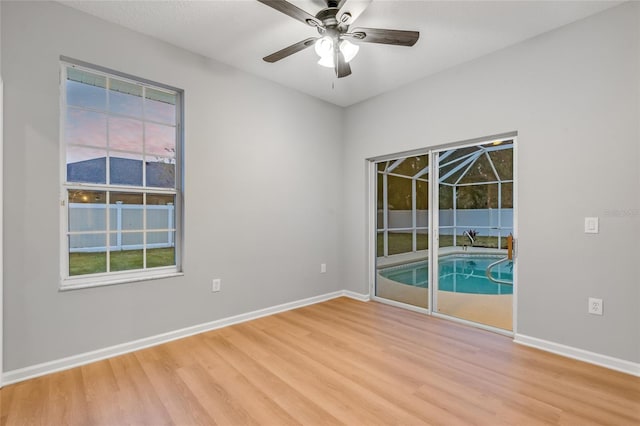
328 18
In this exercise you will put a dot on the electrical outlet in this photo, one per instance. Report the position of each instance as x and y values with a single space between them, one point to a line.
215 284
323 268
595 306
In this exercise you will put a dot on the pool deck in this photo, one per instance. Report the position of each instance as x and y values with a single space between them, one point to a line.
409 294
493 310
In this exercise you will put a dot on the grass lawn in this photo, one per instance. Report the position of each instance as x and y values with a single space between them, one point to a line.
91 263
403 243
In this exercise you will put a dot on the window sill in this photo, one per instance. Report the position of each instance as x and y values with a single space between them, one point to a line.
69 285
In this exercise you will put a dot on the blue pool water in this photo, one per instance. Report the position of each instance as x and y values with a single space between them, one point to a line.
457 273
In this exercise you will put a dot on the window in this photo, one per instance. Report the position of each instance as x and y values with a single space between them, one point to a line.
121 150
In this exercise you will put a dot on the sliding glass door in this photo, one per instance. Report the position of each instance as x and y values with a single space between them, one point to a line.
465 269
475 226
402 230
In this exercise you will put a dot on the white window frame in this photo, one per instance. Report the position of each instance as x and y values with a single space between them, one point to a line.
71 282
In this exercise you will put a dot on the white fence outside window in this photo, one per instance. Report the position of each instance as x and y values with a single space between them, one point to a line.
488 222
125 228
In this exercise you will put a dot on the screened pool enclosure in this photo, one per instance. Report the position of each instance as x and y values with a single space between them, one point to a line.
475 197
460 200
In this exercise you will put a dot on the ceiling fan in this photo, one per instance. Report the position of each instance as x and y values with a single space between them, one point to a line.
333 22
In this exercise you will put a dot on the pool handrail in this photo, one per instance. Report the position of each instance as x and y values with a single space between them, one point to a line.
494 264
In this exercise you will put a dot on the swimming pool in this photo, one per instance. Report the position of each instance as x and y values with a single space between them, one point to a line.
460 273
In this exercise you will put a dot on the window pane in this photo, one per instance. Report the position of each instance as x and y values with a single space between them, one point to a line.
125 212
132 240
86 165
125 134
125 168
87 254
160 249
161 173
160 106
160 140
87 211
160 211
125 241
84 127
128 254
86 89
125 98
87 243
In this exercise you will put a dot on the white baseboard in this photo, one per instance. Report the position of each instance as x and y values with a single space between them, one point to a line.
606 361
357 296
37 370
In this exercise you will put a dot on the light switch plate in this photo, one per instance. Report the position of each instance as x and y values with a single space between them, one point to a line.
591 225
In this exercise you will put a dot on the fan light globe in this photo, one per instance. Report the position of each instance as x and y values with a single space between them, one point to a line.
349 50
326 61
324 49
324 46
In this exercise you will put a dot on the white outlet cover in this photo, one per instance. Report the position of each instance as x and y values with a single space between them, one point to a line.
595 306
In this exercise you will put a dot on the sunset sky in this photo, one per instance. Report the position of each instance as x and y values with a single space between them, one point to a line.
101 123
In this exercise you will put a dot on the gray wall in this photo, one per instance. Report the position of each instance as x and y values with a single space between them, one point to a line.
250 160
573 96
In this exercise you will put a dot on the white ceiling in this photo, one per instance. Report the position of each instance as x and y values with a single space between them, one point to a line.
241 32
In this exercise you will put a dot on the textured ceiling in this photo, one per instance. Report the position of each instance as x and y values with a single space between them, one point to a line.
241 32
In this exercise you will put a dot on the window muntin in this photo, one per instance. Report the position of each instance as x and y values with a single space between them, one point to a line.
121 145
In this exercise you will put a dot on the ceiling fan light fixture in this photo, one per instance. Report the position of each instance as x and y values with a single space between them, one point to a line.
324 46
348 49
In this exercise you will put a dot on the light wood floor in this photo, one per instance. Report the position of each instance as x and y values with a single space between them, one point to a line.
338 362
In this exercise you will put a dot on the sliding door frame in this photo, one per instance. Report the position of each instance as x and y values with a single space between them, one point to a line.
434 182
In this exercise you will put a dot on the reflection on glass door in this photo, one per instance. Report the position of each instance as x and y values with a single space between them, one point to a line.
475 223
402 228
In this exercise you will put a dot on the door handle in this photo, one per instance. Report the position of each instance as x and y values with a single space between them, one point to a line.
510 246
